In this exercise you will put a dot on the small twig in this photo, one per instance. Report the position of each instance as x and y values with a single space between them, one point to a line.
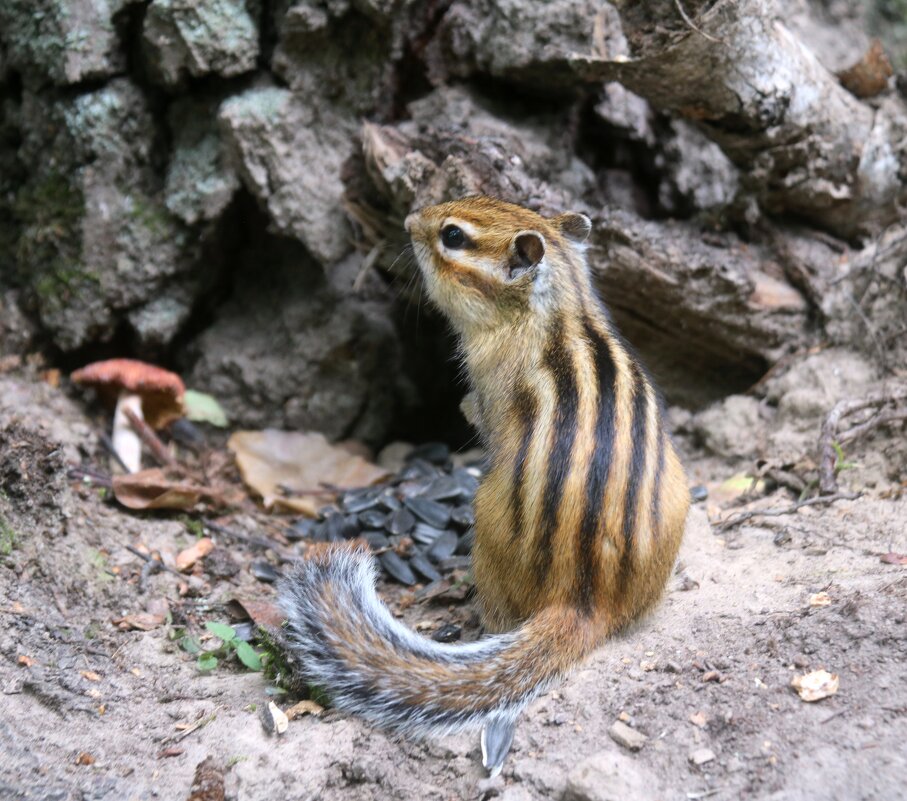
107 442
201 722
258 542
688 21
149 558
80 473
146 433
820 500
829 436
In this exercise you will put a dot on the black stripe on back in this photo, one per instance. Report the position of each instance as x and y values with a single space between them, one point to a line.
587 558
637 468
559 362
525 410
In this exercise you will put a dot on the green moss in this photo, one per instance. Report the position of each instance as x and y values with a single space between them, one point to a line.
48 253
9 539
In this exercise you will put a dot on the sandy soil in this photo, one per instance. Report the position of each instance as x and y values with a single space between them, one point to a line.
94 712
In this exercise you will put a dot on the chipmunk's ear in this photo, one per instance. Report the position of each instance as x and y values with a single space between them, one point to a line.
526 251
574 225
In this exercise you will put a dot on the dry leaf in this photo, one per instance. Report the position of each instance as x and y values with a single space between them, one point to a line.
816 685
281 721
892 558
90 675
27 661
869 76
187 558
820 599
151 489
141 621
288 468
84 758
304 708
261 613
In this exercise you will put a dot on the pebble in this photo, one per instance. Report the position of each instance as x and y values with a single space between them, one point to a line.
699 493
701 756
611 776
629 738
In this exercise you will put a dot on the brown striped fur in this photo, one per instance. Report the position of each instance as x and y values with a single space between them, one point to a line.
535 350
578 518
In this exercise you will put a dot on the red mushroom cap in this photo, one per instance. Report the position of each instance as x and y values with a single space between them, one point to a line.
160 390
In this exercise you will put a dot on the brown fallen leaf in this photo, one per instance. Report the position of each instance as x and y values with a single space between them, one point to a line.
26 661
304 708
261 613
172 751
289 468
869 76
152 489
84 758
140 621
816 685
187 558
90 675
892 558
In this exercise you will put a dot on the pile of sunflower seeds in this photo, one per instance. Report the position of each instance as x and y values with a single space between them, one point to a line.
419 523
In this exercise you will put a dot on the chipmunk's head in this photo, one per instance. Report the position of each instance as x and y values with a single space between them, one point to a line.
487 262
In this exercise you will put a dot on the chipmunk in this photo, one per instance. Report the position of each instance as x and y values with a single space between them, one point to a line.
578 517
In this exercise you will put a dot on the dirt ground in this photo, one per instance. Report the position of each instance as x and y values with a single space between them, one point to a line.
91 711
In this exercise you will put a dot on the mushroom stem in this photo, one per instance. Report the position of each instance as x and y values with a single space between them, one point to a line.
126 442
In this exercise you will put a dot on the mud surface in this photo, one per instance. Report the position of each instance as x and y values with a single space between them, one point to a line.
94 712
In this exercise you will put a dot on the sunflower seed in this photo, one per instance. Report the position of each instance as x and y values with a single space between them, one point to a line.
443 546
456 563
373 519
432 512
304 528
397 568
434 452
425 534
376 540
400 522
423 567
263 571
464 516
449 632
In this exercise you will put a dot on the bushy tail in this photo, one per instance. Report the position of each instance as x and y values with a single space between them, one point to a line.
371 665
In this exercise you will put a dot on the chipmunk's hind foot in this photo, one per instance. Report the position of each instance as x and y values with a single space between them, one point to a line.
497 737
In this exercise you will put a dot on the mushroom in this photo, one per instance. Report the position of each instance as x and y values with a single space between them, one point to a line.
152 394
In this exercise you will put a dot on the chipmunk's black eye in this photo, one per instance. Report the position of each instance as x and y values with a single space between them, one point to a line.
453 237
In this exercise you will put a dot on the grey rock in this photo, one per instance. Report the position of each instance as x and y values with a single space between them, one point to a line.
61 41
289 154
610 776
624 735
701 756
186 38
503 39
200 182
97 244
288 351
